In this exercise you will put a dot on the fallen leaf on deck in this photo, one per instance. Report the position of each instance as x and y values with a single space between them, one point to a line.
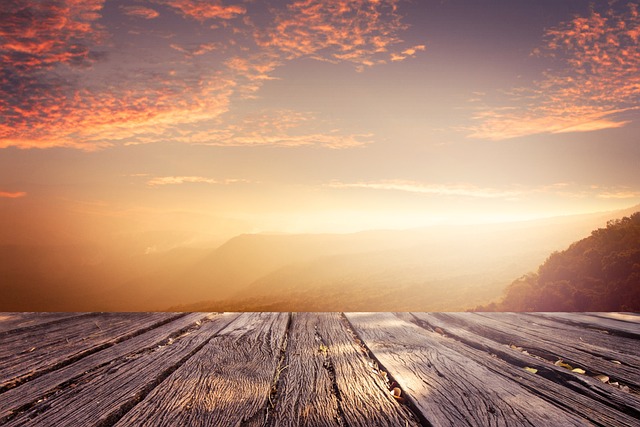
603 378
532 370
578 371
562 364
396 392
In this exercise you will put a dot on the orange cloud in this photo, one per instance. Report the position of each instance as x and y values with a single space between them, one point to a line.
407 53
140 12
60 88
44 34
90 120
600 80
12 194
254 67
202 10
357 31
41 44
196 50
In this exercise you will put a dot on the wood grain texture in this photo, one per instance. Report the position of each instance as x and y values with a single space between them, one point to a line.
547 345
305 393
588 397
11 322
319 369
39 388
32 352
613 326
227 383
327 380
625 317
593 342
447 387
103 395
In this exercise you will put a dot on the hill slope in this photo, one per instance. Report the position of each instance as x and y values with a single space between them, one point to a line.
434 269
598 273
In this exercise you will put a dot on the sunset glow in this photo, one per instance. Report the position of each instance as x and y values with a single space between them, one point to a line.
203 119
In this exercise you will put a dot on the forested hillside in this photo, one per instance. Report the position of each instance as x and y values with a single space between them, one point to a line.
598 273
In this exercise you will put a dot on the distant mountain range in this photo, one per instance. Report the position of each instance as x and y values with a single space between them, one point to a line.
443 268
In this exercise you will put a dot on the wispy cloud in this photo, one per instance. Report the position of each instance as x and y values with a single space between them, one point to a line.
82 94
600 80
175 180
12 194
255 67
616 192
45 34
407 53
91 120
140 12
363 32
513 192
281 128
464 190
202 10
194 50
41 43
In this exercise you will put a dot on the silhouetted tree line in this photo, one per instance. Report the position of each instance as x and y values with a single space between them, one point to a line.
598 273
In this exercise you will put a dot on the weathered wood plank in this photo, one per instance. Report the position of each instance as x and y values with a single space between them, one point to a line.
447 387
614 326
227 383
305 394
30 392
596 343
329 381
30 353
624 317
324 377
545 345
103 395
11 322
585 396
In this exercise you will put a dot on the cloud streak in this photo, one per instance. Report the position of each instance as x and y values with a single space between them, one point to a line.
509 193
600 80
140 12
278 128
195 50
12 194
407 53
176 180
457 190
90 120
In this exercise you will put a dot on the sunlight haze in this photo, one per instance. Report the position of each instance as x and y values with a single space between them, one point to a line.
141 127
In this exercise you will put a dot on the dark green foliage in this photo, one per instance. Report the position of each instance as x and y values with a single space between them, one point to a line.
599 273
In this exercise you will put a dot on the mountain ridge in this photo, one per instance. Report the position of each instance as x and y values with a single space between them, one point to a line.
451 267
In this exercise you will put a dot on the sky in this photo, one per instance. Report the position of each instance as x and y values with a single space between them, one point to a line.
183 121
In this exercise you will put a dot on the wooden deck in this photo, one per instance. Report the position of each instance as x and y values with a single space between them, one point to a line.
319 369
